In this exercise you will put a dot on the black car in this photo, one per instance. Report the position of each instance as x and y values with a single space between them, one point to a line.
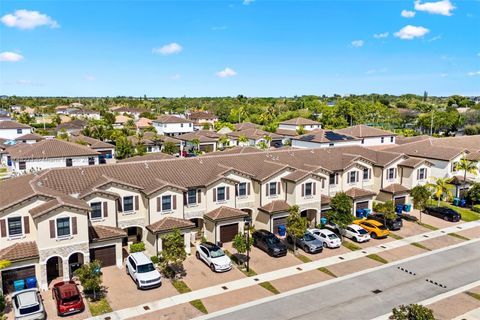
444 213
269 243
391 224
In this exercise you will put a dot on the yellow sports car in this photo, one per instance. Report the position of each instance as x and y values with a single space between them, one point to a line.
375 228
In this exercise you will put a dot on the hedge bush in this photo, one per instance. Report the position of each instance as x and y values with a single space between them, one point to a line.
476 208
155 259
137 247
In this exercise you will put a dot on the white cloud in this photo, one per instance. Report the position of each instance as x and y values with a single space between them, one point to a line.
247 2
408 14
443 7
381 35
411 32
435 38
89 77
358 43
226 73
10 56
25 19
474 73
167 49
175 77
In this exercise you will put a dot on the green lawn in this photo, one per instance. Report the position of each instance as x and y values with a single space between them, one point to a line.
325 270
467 214
421 246
350 245
395 236
303 258
267 285
377 258
183 288
99 307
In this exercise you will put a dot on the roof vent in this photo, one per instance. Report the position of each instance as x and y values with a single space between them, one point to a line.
39 184
75 195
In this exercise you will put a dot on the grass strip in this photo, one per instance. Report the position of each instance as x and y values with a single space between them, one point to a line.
395 236
427 226
198 304
99 307
325 270
183 288
421 246
351 246
458 236
473 295
303 258
376 257
267 285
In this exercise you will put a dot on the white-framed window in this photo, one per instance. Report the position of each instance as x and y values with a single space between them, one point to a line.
15 227
221 194
181 125
242 189
128 203
63 227
167 203
454 165
96 211
366 174
68 162
19 131
308 189
391 174
422 174
272 189
332 179
192 197
352 176
382 139
22 165
391 139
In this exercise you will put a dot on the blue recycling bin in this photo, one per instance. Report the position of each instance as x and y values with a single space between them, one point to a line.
323 221
282 230
19 285
407 207
31 282
463 203
366 212
456 202
360 213
399 208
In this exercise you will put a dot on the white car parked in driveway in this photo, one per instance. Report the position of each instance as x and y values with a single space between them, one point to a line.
356 233
214 257
328 237
142 271
27 305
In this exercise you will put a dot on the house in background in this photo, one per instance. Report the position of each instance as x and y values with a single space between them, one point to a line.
254 137
171 125
321 138
370 136
294 124
208 140
29 138
200 118
11 130
133 112
5 115
71 127
106 150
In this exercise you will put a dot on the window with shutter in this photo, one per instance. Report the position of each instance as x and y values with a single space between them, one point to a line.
159 204
3 228
248 188
52 229
63 227
199 198
74 225
26 225
314 188
214 194
105 209
227 192
174 200
136 203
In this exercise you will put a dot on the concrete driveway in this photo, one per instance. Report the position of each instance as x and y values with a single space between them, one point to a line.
123 293
200 276
434 221
410 229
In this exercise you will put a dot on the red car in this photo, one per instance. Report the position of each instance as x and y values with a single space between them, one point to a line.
68 298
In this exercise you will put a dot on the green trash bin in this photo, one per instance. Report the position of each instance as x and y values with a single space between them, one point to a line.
456 202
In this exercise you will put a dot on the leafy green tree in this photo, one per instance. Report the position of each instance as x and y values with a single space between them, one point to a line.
341 210
223 140
386 208
466 166
123 148
473 195
241 245
296 225
25 118
56 120
420 196
441 187
301 130
206 126
169 147
262 145
412 312
173 250
242 140
62 135
90 276
196 144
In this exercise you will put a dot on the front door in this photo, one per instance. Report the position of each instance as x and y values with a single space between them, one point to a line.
54 268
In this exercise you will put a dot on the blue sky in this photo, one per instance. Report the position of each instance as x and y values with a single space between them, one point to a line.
255 48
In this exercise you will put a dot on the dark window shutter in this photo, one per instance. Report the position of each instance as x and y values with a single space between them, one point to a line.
227 190
418 174
52 229
119 204
159 204
214 194
74 225
314 187
3 228
199 196
174 200
26 225
105 209
303 189
236 190
279 188
266 189
185 198
323 183
357 176
426 173
136 203
248 188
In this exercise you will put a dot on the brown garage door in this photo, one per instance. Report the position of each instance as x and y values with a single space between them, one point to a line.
106 255
9 276
400 200
362 205
278 222
228 232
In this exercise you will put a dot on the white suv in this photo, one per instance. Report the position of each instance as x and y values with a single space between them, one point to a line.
356 233
214 257
142 271
328 237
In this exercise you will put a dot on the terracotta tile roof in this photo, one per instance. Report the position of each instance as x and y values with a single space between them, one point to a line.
324 136
91 142
356 193
155 156
427 149
201 135
471 143
121 119
58 202
458 180
275 207
253 134
245 125
413 162
474 156
286 132
171 119
403 140
235 150
30 136
168 224
101 233
76 124
395 188
158 137
300 122
128 110
296 175
143 123
199 115
7 124
363 131
19 251
225 213
50 148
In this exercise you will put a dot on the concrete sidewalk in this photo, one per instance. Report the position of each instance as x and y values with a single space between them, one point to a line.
472 315
277 274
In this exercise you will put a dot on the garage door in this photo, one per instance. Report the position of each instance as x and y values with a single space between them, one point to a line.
400 200
362 205
106 255
9 276
278 222
228 232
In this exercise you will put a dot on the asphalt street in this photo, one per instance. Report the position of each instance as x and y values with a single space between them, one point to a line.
375 293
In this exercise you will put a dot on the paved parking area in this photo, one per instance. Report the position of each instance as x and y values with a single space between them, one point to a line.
470 233
371 243
344 268
434 221
440 242
200 276
410 229
123 293
325 253
301 280
455 306
181 312
401 253
230 299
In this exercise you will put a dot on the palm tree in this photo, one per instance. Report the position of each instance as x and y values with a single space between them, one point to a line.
441 187
242 139
267 139
467 166
223 140
196 144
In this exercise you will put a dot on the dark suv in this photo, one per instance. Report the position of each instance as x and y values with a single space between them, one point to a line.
444 213
391 224
269 243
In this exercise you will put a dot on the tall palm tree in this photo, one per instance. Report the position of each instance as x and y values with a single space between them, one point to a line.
441 187
467 166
